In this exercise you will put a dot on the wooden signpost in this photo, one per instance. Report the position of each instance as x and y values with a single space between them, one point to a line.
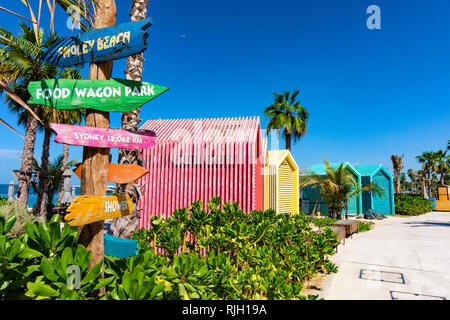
119 173
103 138
103 95
104 44
88 209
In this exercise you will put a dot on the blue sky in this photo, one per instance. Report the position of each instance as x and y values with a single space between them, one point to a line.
370 93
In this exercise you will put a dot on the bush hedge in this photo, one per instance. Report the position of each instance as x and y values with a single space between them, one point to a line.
195 254
412 204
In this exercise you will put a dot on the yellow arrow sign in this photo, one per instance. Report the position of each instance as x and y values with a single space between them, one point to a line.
88 209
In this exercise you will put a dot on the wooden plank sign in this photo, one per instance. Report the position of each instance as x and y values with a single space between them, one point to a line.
119 173
119 247
103 44
104 95
103 138
88 209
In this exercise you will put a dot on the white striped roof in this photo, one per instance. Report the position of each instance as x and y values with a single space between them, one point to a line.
204 130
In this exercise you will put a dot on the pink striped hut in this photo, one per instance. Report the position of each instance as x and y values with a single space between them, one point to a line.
198 159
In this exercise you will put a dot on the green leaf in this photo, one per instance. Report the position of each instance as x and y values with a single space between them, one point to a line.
104 282
2 224
29 253
93 273
66 258
40 289
30 230
48 270
55 218
9 224
183 292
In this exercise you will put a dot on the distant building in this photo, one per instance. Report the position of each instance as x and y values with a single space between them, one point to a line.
363 174
379 174
312 200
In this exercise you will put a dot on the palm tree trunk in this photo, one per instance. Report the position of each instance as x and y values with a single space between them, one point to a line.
130 121
40 208
23 185
424 188
64 163
287 137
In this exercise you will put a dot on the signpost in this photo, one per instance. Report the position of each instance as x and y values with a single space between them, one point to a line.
103 138
119 173
119 247
103 95
104 44
88 209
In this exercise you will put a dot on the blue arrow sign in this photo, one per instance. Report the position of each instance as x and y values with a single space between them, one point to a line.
98 45
119 247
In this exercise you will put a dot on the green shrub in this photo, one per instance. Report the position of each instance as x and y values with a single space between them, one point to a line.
260 255
20 211
206 254
3 200
412 204
364 226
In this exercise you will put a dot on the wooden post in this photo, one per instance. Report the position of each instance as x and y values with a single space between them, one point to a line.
94 173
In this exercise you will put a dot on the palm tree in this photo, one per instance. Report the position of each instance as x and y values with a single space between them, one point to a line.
428 161
442 165
56 169
130 121
397 164
337 187
20 63
287 114
422 176
51 115
413 177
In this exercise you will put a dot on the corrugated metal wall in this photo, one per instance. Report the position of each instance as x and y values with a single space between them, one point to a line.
198 159
281 182
382 205
285 185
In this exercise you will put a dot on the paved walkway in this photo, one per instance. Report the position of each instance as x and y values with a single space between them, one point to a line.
401 258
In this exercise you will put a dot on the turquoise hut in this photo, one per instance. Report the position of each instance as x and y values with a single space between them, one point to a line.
379 174
311 199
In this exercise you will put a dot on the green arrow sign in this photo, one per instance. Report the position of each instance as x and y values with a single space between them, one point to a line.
104 95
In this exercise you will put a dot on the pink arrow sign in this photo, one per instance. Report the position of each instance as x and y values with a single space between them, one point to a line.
103 138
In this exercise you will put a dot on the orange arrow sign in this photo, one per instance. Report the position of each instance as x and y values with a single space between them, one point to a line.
88 209
119 173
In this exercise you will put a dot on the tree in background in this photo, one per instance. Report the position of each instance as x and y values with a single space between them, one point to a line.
56 170
51 115
21 63
397 164
428 161
287 114
412 175
337 187
442 165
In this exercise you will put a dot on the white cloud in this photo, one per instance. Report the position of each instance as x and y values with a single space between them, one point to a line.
9 154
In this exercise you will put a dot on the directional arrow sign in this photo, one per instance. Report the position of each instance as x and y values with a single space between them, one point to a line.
119 247
103 138
104 44
104 95
119 173
88 209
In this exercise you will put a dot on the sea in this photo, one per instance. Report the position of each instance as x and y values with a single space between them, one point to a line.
32 196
